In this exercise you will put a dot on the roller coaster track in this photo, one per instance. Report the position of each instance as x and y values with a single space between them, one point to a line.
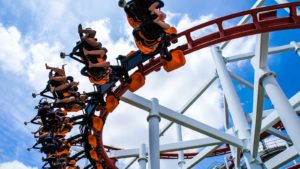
264 19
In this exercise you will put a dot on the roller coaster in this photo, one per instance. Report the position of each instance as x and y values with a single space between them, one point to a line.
156 40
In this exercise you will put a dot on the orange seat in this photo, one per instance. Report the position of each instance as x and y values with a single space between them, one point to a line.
147 46
66 94
178 60
63 152
73 162
137 81
97 123
99 166
111 103
133 23
92 140
74 108
100 82
73 167
144 49
94 155
171 31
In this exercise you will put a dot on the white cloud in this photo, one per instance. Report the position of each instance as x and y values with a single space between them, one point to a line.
15 165
12 53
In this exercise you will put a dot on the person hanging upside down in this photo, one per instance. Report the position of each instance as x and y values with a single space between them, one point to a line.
88 35
149 26
142 11
58 71
99 56
64 86
97 68
65 128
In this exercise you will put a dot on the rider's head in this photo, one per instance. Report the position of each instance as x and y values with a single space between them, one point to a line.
92 34
74 88
122 3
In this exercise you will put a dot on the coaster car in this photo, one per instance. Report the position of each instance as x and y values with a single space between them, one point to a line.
138 12
85 52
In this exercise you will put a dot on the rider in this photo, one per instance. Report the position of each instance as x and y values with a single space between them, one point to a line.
149 26
60 73
95 57
65 128
141 11
44 110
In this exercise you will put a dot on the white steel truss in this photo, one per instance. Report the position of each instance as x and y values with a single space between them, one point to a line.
245 142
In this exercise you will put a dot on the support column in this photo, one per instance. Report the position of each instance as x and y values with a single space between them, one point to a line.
154 119
267 80
288 116
239 119
238 116
252 163
259 63
142 157
181 161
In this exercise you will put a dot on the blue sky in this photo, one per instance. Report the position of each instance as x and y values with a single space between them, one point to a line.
34 32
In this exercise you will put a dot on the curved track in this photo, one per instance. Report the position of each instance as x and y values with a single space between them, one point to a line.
264 19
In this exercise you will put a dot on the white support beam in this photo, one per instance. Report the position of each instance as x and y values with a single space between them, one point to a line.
235 152
127 153
279 134
202 154
243 81
185 121
252 163
237 113
296 46
143 157
269 121
181 161
199 93
237 160
261 53
190 144
273 118
282 158
199 127
185 145
226 114
137 101
274 50
245 19
287 115
131 162
154 119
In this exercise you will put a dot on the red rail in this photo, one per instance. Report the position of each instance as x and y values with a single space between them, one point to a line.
263 20
297 166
